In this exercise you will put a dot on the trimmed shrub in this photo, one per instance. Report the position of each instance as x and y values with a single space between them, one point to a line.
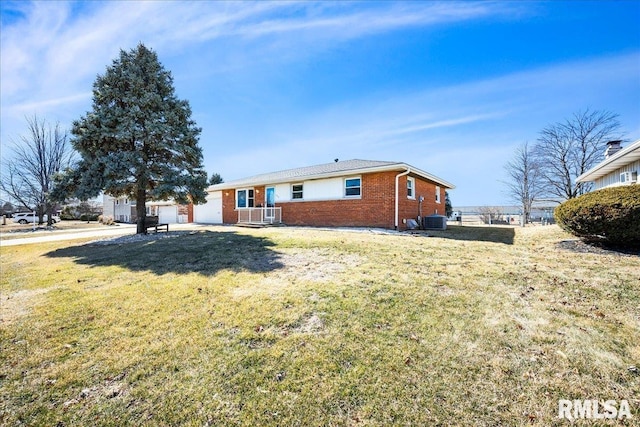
610 216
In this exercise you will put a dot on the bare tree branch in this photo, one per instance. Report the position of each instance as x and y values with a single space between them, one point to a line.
567 150
525 183
36 157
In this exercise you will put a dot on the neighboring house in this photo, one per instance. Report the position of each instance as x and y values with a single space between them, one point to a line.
620 167
123 209
168 212
360 193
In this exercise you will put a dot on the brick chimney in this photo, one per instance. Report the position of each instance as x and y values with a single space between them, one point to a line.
612 148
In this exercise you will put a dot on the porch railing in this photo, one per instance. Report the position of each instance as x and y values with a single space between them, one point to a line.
259 215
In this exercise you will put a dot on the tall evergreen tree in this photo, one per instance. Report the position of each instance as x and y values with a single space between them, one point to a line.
139 139
448 208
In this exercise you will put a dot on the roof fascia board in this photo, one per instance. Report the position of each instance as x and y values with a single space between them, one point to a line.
592 174
384 168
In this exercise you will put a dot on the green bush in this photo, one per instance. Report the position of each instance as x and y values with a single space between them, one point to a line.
610 216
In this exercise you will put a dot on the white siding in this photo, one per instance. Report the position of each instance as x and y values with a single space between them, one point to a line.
283 192
107 206
118 209
324 189
613 179
319 189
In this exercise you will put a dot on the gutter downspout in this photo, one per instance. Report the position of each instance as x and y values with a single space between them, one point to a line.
407 172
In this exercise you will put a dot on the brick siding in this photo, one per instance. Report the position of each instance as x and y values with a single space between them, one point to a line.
186 210
375 207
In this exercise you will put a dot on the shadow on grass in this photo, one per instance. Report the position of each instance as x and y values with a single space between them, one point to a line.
204 252
487 233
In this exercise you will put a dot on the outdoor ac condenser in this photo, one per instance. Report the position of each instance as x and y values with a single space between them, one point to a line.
434 222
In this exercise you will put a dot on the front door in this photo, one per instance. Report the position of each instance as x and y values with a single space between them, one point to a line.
270 211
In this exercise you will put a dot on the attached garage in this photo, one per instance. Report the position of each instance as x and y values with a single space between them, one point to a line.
210 212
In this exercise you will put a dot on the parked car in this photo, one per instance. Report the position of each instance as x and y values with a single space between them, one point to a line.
28 217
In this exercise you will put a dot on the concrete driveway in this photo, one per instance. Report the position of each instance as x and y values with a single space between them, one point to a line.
42 236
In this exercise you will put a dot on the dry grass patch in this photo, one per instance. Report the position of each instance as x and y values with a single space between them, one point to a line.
11 230
472 326
14 305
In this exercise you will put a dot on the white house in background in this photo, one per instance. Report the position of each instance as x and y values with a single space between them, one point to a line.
621 166
123 209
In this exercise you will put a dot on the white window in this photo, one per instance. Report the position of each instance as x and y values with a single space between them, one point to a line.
352 187
411 188
244 198
437 194
297 191
117 202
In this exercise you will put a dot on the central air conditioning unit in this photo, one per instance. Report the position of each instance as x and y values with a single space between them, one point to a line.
628 177
434 222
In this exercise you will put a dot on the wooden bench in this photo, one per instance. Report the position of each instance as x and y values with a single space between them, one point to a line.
152 222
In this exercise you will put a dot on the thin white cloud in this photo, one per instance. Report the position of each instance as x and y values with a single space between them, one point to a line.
50 103
359 23
50 59
441 124
59 47
462 133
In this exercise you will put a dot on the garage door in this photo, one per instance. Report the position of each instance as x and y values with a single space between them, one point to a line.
167 214
210 212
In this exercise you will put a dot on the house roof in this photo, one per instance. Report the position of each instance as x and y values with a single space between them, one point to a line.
328 170
617 160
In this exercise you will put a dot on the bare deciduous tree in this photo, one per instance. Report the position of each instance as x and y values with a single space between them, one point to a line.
490 214
28 172
566 150
525 181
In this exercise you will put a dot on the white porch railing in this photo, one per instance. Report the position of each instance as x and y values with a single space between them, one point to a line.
259 215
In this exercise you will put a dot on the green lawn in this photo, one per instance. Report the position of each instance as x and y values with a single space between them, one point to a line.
290 326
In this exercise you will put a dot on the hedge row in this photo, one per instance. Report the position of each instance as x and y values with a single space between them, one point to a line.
610 216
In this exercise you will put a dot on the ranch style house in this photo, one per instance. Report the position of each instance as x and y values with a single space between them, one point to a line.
351 193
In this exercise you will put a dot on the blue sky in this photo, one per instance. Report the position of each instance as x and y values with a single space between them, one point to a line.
451 88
